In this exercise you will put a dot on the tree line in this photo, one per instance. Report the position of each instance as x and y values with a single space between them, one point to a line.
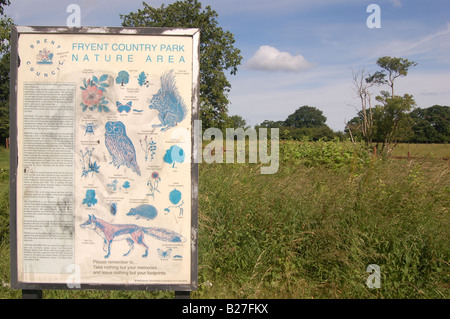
424 125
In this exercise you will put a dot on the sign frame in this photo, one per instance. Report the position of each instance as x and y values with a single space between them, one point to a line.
188 33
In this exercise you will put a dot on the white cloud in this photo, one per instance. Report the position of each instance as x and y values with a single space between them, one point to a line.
271 59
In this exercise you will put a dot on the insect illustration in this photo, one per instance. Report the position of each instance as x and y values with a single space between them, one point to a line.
164 254
124 108
169 103
133 234
113 208
120 146
89 128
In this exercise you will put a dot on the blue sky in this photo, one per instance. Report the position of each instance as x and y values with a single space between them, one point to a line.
301 52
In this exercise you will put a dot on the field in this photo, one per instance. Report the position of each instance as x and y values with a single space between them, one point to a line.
312 229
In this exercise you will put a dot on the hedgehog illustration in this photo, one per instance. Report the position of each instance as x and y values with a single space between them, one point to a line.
169 103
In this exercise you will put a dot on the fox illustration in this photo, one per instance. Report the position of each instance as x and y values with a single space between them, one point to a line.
133 234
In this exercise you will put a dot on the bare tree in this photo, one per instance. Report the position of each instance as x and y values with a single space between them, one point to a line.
365 123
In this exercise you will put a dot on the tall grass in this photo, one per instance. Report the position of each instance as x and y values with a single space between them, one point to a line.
311 229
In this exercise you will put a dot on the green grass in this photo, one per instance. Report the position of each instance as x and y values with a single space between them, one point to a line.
311 229
4 158
423 150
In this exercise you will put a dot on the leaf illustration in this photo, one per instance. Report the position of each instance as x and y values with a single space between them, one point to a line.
141 79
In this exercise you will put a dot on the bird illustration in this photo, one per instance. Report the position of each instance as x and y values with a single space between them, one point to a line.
120 146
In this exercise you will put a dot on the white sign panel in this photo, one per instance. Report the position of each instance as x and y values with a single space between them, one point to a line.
105 183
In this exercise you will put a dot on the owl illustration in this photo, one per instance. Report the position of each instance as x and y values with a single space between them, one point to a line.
120 146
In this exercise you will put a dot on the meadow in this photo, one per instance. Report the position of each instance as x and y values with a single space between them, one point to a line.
311 229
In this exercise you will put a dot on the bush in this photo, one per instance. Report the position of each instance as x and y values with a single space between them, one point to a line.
333 154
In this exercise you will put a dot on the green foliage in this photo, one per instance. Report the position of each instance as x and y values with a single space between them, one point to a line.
311 229
306 116
431 125
312 133
389 122
392 121
392 68
333 154
4 97
5 30
4 206
217 51
305 122
236 121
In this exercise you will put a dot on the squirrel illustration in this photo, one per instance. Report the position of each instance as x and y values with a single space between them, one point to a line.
169 103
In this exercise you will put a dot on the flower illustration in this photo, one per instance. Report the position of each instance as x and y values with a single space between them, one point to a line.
92 96
153 184
155 175
92 93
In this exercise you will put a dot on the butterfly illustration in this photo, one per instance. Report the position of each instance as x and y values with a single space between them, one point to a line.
126 107
164 254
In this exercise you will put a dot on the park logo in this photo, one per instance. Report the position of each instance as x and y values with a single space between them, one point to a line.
46 59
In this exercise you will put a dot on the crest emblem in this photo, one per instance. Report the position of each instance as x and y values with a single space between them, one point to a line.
44 57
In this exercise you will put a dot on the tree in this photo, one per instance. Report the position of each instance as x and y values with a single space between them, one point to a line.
431 125
271 124
306 116
217 51
389 122
5 30
392 68
363 123
236 121
393 123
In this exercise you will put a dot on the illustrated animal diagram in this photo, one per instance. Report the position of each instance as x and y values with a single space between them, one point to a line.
164 254
120 146
133 234
169 103
89 128
124 107
144 211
